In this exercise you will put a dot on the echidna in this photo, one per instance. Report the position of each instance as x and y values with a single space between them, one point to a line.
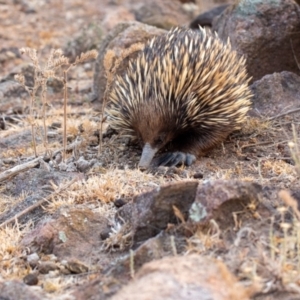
185 92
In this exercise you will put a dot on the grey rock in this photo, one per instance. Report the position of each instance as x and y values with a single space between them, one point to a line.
265 32
206 18
275 94
33 259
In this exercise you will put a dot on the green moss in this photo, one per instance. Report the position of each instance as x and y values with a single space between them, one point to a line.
197 212
252 7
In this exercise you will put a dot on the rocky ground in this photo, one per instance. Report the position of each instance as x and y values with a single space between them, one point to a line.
88 224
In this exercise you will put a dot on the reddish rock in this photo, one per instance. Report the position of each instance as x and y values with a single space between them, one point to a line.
151 212
263 32
185 277
219 199
162 14
70 234
154 248
118 40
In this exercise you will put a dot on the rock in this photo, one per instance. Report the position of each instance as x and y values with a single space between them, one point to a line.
33 183
185 277
112 17
45 267
11 88
198 175
71 167
15 290
92 290
76 266
71 234
151 212
27 70
82 164
2 124
120 38
119 202
154 248
9 54
187 1
218 199
17 140
31 279
54 85
206 18
264 32
162 14
86 39
33 259
275 94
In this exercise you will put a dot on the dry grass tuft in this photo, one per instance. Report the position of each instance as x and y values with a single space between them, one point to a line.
271 168
6 202
203 241
107 187
11 264
255 125
120 237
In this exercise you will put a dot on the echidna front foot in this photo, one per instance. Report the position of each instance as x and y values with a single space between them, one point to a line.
171 159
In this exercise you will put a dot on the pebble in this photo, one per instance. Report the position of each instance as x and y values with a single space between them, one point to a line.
46 266
33 259
31 279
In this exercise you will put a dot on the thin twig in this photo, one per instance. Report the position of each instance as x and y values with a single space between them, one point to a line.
296 60
65 114
257 144
284 114
19 168
37 204
32 99
33 163
44 100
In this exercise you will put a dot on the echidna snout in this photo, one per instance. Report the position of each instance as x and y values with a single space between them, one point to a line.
154 136
147 156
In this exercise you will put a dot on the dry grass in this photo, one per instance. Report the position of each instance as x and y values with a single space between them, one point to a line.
278 168
6 201
106 187
56 63
11 263
255 126
266 256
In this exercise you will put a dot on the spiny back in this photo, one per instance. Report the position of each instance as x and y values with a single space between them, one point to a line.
182 81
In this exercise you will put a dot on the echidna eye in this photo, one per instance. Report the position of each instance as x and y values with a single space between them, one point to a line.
160 140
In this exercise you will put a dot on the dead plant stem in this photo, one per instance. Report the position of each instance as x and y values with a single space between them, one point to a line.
65 114
32 123
292 111
37 204
44 99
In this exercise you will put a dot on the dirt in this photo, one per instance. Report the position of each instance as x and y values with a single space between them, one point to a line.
259 153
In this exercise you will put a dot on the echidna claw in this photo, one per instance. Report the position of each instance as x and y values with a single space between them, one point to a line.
171 159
